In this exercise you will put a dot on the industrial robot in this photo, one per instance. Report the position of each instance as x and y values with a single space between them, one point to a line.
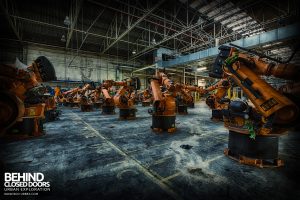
184 98
71 97
22 100
254 129
108 106
146 98
192 103
217 101
135 97
95 96
125 98
164 107
85 101
57 94
51 111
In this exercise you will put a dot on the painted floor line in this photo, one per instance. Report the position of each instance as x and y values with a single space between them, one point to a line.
144 170
124 136
149 147
162 160
171 176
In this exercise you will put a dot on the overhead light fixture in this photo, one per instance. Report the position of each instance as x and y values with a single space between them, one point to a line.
201 69
63 38
67 21
200 20
134 52
153 41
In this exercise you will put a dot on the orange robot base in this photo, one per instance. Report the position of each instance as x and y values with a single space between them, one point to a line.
260 152
74 104
86 107
162 123
98 105
182 109
108 110
51 111
216 115
127 113
30 125
146 103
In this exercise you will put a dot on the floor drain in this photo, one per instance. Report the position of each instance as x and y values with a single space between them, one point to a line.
199 172
186 146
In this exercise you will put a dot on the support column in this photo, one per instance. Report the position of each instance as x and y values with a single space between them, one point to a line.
183 75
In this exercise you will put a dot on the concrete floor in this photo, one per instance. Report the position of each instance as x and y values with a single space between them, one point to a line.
92 156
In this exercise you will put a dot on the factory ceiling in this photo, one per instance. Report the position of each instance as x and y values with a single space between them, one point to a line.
133 29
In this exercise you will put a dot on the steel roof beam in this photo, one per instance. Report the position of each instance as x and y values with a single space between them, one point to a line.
65 28
13 23
78 4
283 33
132 26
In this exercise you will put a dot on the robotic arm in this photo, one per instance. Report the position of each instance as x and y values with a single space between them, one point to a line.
254 131
121 99
108 100
108 106
20 90
70 96
147 97
184 98
245 71
84 89
164 107
124 98
71 92
197 89
86 103
216 101
163 103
